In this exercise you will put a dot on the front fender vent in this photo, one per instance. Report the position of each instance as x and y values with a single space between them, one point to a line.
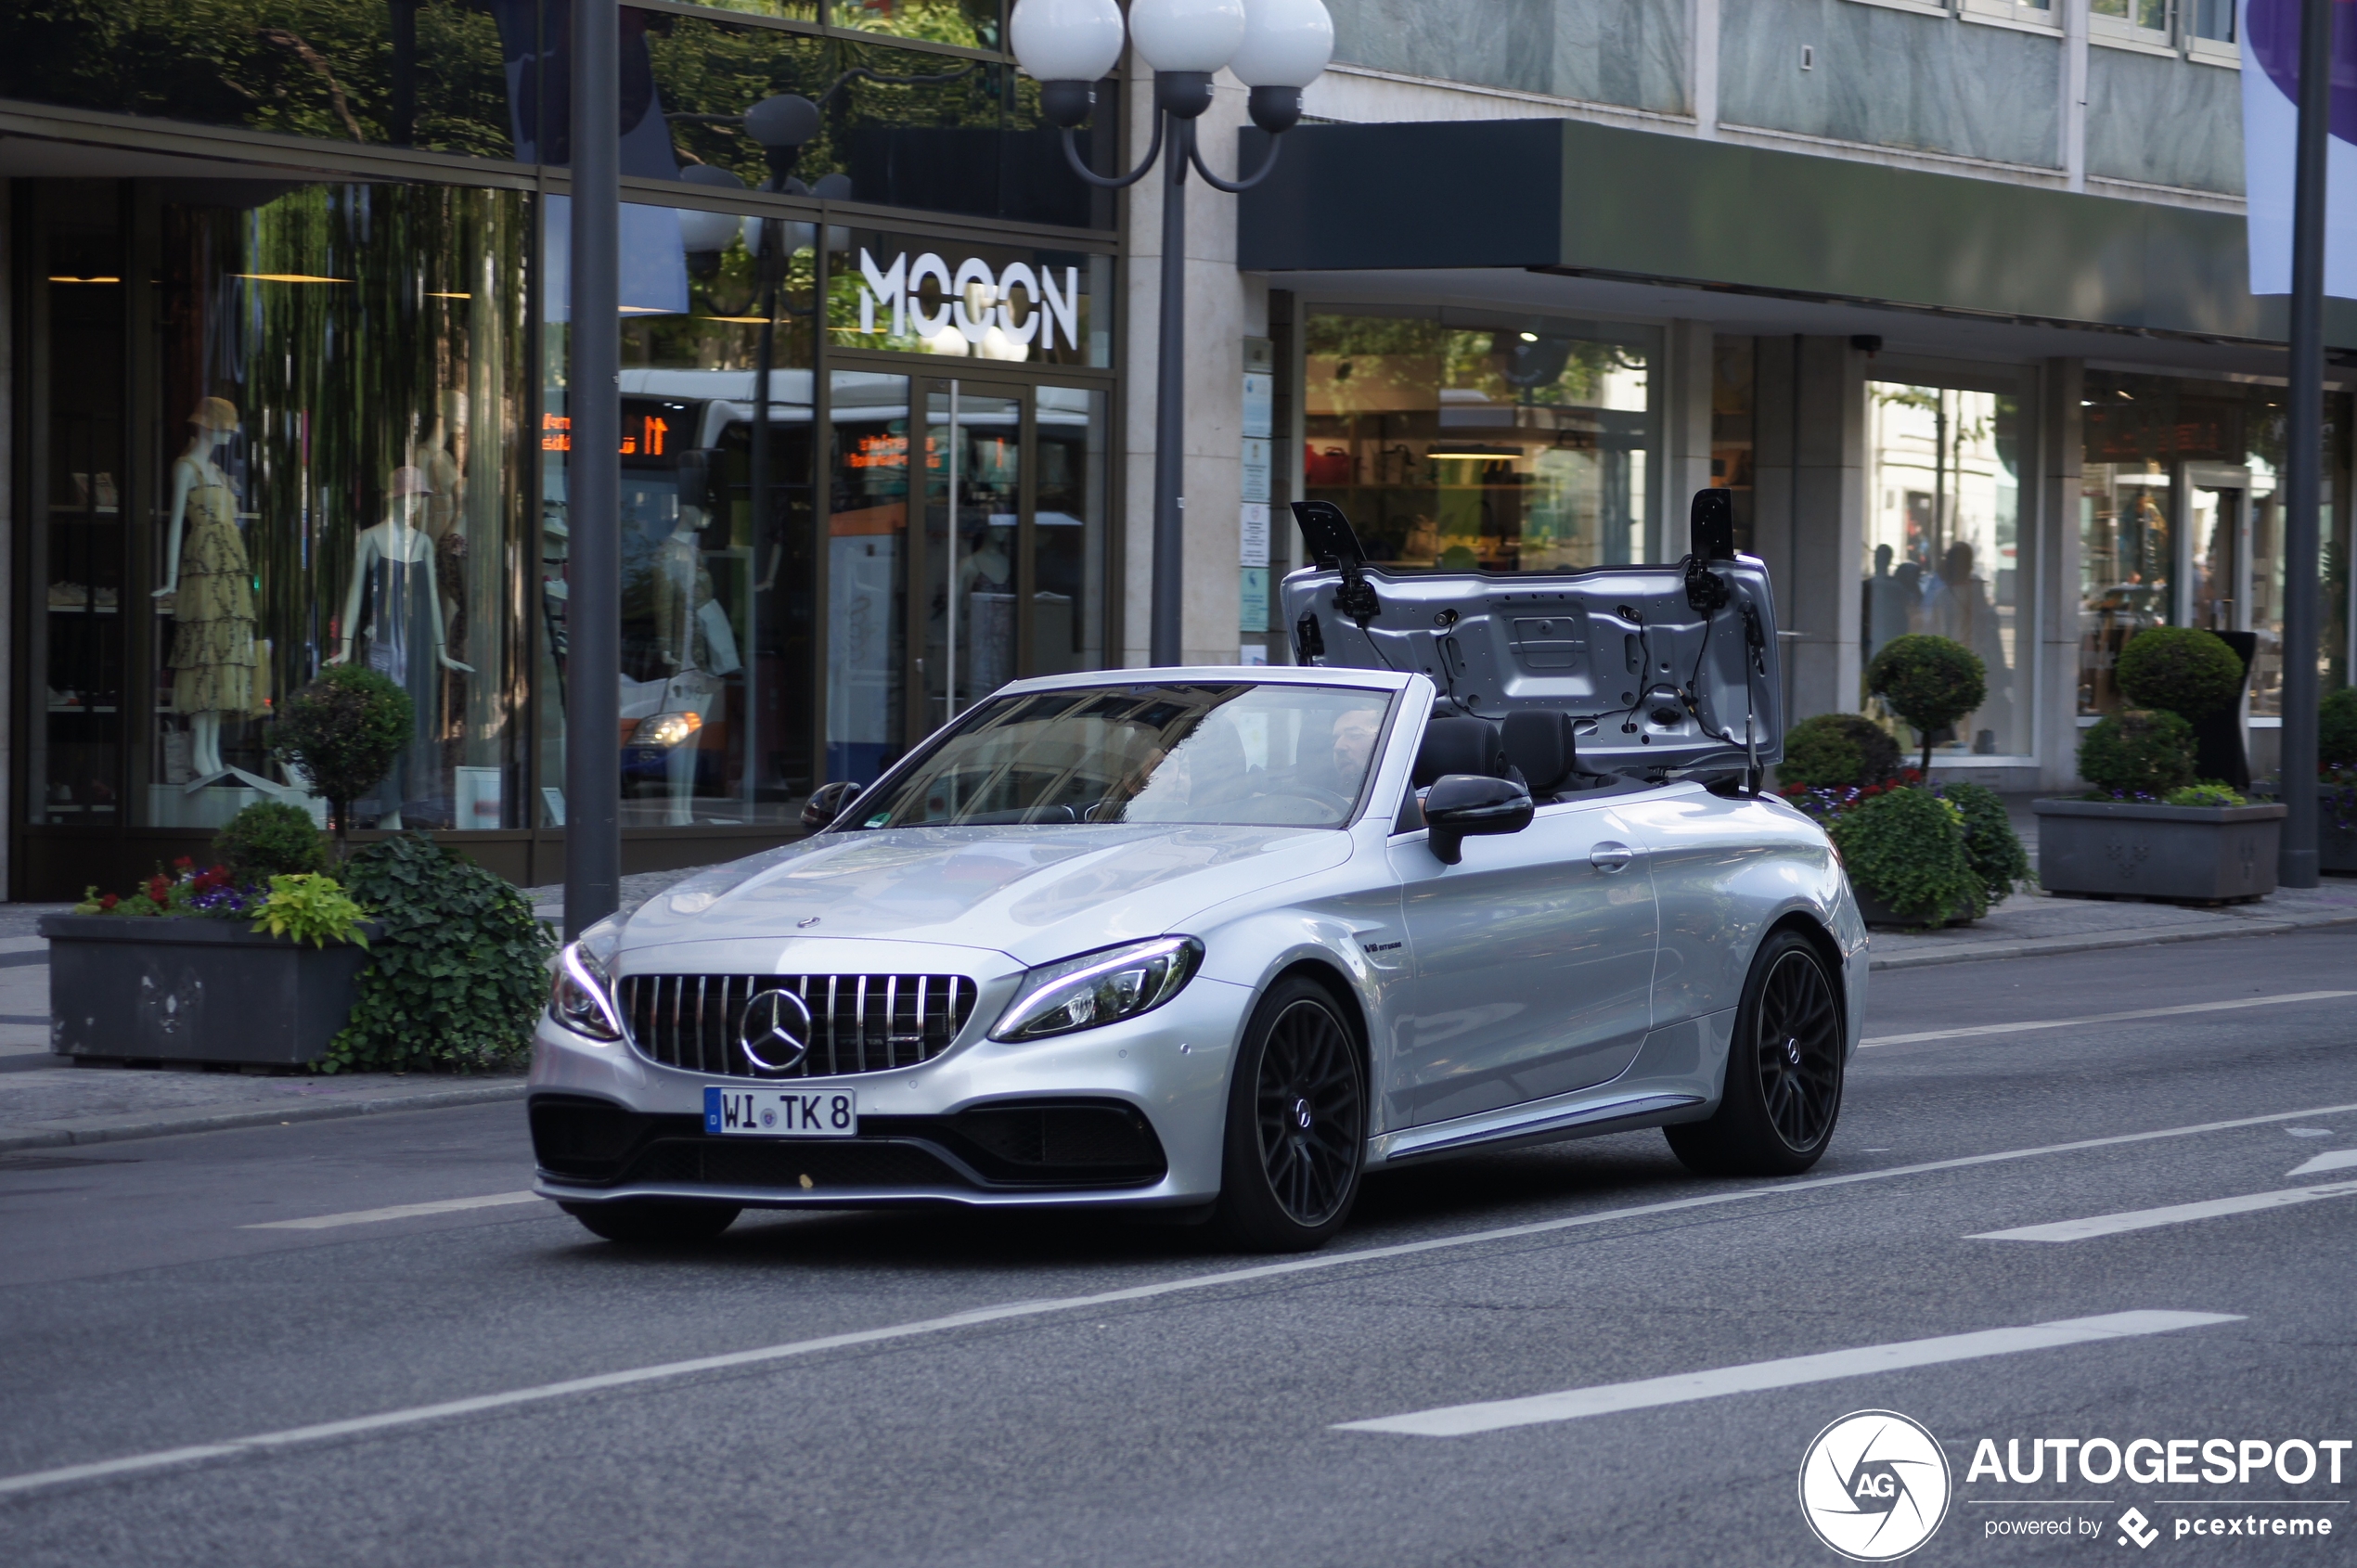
858 1022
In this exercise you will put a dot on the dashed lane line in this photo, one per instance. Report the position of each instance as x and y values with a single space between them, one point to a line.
1984 1028
398 1211
2172 1213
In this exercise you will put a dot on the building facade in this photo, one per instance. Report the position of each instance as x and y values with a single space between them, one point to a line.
1948 292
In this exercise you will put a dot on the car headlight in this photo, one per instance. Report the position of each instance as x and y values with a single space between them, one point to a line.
1100 987
580 993
665 729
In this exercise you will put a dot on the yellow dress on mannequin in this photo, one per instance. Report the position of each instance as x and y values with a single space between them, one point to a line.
213 660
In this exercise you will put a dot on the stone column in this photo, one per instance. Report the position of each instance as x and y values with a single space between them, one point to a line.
1685 421
1810 505
2061 452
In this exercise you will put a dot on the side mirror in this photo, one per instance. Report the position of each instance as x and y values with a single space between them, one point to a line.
827 803
1462 805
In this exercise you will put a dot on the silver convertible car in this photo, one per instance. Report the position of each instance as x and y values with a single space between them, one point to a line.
1489 867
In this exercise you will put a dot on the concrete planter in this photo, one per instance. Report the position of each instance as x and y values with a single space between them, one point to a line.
178 988
2186 854
1882 917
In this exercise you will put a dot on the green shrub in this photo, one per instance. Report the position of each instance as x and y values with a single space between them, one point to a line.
311 907
1991 846
1834 749
2138 752
2337 729
1906 847
2181 670
270 839
458 970
2203 794
342 732
1931 682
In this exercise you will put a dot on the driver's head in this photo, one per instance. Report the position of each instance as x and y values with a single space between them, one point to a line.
1355 732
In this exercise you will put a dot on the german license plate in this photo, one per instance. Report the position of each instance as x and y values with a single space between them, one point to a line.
780 1112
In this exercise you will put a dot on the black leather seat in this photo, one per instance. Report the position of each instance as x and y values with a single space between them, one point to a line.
1459 745
1541 744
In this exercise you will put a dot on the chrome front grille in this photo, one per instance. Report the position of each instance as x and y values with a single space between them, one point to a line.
858 1022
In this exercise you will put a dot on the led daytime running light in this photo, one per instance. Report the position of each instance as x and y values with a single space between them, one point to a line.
1166 966
576 983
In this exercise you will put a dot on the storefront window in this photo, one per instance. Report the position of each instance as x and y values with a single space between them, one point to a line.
1943 543
2179 517
716 623
1522 446
332 473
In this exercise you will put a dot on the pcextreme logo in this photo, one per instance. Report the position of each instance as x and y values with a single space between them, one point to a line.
1874 1485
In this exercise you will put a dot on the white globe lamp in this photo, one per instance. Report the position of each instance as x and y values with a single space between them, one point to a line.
1067 47
1286 46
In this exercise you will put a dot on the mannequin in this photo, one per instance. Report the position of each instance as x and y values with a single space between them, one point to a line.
687 617
445 462
211 584
392 570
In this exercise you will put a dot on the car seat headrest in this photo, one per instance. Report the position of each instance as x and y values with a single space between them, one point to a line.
1541 743
1459 745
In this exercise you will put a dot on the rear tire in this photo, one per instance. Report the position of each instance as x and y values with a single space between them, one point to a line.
654 1222
1783 1093
1296 1140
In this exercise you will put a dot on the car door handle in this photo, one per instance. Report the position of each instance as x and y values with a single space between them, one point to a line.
1609 856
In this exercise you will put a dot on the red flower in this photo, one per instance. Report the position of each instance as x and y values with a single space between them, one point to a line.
183 864
109 901
212 876
157 886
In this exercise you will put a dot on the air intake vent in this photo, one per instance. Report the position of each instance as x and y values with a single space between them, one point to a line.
858 1022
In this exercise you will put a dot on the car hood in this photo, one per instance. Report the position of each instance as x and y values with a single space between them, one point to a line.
1036 894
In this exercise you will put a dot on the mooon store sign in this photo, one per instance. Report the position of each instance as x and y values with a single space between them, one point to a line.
1017 302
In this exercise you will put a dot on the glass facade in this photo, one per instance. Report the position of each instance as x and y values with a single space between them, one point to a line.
2179 510
318 458
1518 446
1943 540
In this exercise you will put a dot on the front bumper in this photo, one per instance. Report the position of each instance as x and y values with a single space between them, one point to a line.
1131 1114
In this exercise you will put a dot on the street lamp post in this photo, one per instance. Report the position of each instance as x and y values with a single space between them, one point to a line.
1275 48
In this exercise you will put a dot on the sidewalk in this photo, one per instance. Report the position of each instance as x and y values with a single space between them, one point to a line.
44 1106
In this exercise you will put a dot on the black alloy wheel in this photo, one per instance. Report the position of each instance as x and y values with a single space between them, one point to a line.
1296 1122
1783 1082
1798 1044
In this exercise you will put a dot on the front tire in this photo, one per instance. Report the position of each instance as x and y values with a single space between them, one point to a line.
654 1222
1296 1140
1782 1092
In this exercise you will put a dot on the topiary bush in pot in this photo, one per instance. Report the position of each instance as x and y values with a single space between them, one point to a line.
1834 750
2337 729
270 839
1991 847
342 732
2137 751
1905 849
458 968
1931 682
2181 670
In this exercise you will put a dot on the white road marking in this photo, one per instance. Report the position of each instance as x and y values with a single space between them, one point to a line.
2105 1017
389 1420
399 1211
2338 1160
1459 1420
2310 1132
2174 1214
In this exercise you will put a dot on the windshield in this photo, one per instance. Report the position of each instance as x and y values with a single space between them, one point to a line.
1232 754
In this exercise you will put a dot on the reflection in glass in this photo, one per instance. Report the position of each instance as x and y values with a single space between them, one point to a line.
1240 756
913 295
1942 541
1068 567
976 24
337 445
973 475
866 573
1519 449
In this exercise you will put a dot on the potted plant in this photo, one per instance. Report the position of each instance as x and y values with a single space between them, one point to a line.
2148 828
1929 682
252 961
343 733
1940 856
2337 782
1834 751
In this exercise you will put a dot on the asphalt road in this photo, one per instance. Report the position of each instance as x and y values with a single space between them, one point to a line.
1159 1402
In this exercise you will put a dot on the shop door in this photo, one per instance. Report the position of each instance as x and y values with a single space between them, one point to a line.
975 565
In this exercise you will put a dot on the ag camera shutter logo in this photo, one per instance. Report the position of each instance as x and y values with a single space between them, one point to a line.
1874 1485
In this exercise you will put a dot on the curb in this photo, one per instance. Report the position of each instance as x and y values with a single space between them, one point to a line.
205 1119
2033 947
